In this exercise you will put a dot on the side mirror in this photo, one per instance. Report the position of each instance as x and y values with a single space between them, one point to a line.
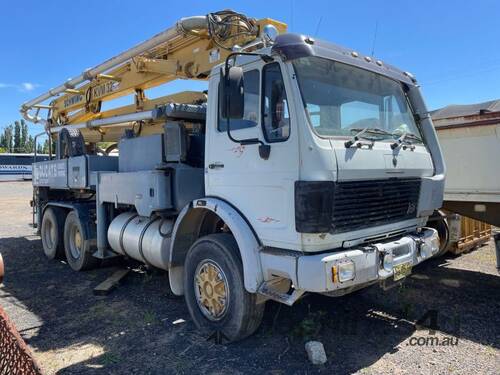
233 98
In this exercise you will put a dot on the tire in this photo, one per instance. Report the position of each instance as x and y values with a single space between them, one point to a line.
51 232
439 222
71 143
77 247
240 316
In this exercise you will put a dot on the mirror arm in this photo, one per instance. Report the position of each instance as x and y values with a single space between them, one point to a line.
243 142
264 149
266 58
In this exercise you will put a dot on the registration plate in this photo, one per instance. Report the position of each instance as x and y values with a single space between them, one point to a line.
402 270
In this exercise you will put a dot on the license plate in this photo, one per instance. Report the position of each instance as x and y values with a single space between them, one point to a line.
402 270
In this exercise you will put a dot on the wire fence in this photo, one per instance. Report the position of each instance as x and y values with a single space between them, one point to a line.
15 357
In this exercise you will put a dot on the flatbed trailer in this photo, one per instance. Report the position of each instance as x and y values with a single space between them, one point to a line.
469 136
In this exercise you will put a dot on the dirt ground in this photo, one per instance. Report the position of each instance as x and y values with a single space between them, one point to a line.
140 329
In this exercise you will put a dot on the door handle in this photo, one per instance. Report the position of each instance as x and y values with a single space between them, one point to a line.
216 165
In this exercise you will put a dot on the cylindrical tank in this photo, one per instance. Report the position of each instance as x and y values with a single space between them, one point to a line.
139 237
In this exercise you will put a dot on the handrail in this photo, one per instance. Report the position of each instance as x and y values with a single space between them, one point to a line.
35 145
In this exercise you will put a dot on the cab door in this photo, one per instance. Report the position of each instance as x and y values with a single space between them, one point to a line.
262 190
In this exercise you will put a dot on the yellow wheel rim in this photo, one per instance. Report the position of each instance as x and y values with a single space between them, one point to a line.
211 290
75 242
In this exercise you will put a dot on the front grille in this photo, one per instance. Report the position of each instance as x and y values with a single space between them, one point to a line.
363 204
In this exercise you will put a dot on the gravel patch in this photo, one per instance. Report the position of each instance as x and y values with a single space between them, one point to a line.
142 329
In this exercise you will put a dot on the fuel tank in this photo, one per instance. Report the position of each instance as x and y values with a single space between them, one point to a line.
142 238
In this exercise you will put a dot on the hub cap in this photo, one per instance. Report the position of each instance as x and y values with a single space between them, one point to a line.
211 290
50 234
75 242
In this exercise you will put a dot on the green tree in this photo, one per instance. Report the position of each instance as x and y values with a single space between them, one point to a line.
24 136
30 144
17 136
45 147
8 138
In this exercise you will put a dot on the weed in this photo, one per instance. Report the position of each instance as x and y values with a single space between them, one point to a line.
406 310
310 326
150 317
109 358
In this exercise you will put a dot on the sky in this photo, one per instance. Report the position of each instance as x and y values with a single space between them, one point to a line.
450 46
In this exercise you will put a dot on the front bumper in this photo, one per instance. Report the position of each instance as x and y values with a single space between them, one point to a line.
353 268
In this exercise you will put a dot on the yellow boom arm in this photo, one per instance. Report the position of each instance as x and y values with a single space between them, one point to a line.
188 50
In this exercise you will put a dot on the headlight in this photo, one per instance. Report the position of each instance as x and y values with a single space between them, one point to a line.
388 262
346 271
425 250
435 244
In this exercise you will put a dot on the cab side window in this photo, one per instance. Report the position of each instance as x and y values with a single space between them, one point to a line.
275 113
251 81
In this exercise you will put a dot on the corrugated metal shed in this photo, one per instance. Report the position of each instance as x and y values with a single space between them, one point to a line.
487 113
466 110
469 136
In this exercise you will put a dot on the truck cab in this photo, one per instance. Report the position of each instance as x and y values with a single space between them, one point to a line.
353 172
322 105
307 168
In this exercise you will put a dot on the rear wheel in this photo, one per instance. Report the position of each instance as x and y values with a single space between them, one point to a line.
51 231
214 288
76 245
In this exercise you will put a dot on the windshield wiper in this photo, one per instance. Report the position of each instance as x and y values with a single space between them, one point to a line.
355 137
403 140
360 134
377 131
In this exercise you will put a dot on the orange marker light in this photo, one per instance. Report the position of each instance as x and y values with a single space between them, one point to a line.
334 274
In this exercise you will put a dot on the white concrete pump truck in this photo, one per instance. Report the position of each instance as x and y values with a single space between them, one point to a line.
305 168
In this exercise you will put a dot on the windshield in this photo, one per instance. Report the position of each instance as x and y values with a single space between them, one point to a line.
342 100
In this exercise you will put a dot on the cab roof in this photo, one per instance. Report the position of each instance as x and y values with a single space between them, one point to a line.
291 46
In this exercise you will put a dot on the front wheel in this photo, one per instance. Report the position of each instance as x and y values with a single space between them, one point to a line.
214 288
439 221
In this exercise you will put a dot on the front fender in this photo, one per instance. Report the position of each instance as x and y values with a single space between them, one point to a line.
185 233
